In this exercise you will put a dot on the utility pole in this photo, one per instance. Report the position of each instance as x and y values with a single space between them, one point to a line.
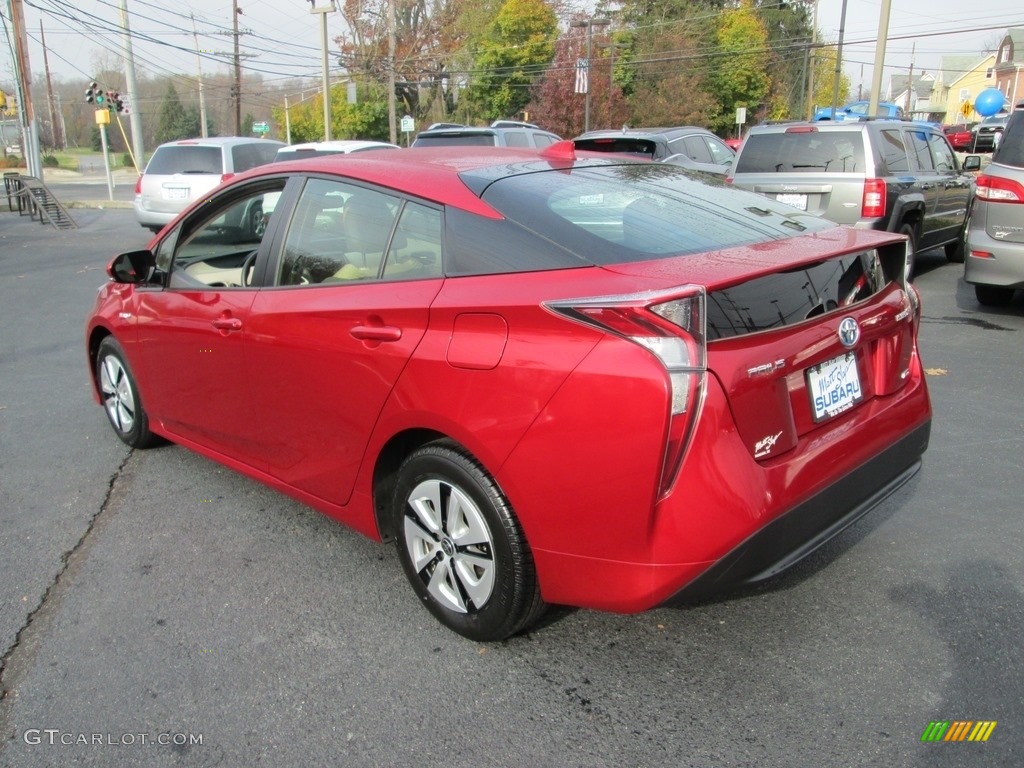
27 117
287 121
135 117
54 124
883 41
810 63
392 120
910 78
839 62
323 11
199 76
238 70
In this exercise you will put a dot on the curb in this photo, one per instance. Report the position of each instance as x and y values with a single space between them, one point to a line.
99 204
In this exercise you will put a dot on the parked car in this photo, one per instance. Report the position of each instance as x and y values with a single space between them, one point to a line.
961 137
688 146
500 133
995 234
181 172
875 174
858 109
987 133
599 382
321 148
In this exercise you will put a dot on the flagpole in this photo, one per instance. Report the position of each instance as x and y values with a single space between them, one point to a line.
589 24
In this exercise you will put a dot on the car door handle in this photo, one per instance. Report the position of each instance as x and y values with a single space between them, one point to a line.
227 324
376 333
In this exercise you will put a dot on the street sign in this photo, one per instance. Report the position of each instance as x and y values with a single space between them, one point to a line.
261 127
408 124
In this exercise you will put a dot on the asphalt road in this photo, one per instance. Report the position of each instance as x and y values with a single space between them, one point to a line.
152 596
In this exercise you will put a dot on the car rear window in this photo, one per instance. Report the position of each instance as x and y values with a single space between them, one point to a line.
802 152
168 160
630 146
456 140
609 214
246 156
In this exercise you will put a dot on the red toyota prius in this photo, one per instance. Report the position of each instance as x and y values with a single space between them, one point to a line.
548 378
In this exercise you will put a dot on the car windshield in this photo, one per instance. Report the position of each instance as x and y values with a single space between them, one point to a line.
802 152
456 140
185 159
617 213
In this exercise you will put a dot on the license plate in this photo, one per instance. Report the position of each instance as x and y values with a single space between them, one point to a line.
834 386
797 201
176 193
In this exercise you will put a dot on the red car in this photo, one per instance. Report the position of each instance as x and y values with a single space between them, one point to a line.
549 378
960 137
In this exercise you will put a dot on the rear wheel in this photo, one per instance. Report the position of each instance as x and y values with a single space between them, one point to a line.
993 295
908 267
120 396
461 546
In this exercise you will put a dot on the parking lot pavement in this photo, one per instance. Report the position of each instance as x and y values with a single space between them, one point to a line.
200 609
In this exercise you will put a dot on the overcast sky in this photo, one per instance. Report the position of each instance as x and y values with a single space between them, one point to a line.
285 36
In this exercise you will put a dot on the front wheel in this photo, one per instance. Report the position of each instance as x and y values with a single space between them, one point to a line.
120 396
461 546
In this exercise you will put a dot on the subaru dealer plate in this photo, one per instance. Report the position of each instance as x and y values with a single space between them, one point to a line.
834 386
797 201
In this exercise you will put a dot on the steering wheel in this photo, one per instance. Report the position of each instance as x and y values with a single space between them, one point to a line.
247 265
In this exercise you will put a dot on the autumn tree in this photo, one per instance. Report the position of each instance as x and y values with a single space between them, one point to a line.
739 77
514 50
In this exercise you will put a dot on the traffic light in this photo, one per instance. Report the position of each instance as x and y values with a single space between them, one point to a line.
92 92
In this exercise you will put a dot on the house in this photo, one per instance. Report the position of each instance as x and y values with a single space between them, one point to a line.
960 80
1009 67
915 97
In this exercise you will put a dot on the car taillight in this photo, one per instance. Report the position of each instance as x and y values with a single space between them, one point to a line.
670 325
138 185
872 205
997 190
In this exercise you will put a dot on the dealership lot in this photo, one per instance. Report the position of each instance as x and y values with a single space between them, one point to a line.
185 615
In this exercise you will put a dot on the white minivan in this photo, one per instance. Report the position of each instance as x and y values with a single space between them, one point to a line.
181 172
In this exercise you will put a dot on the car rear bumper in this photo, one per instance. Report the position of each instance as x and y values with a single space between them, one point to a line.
1005 267
791 537
148 218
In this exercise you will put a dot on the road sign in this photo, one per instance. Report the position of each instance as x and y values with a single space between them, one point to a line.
261 127
408 124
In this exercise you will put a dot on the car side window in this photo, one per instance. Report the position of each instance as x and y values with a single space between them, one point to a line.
918 142
695 149
216 246
894 152
338 233
720 152
945 162
516 139
416 247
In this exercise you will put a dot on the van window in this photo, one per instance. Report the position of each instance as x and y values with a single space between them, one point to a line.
168 160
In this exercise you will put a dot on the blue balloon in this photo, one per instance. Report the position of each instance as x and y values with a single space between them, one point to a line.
989 102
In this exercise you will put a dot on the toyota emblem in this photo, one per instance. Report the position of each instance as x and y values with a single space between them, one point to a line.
849 331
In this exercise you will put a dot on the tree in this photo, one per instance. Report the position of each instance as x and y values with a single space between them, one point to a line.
175 121
788 25
515 49
740 76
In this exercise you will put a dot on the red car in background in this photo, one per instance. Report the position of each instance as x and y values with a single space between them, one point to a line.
548 378
960 136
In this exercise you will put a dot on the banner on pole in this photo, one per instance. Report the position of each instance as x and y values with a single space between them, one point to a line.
582 79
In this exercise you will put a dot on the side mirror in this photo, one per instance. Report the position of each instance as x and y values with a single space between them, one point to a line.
972 163
133 267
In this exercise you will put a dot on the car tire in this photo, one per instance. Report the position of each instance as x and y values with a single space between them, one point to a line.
120 396
908 266
956 250
461 547
993 295
257 224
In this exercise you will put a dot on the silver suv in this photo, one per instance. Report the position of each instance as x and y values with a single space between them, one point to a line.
995 233
180 172
891 175
500 133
